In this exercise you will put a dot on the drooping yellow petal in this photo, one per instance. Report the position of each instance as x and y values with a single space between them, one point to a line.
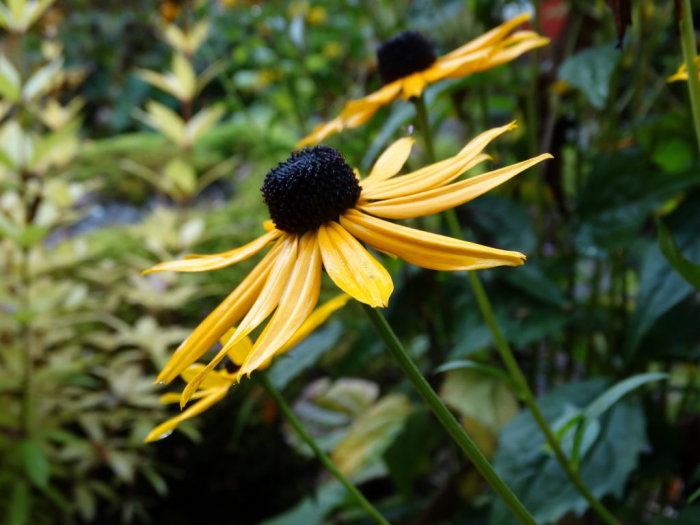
391 161
446 197
436 174
320 132
504 55
352 268
295 306
409 184
316 319
203 263
229 312
491 37
264 305
239 350
426 249
216 380
165 429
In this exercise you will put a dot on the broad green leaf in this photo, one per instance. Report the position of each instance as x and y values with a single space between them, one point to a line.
203 121
612 395
290 364
166 121
35 462
687 269
327 409
590 71
533 472
10 82
313 510
42 81
480 395
370 435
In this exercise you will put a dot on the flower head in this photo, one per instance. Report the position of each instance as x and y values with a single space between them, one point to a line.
407 63
216 385
321 214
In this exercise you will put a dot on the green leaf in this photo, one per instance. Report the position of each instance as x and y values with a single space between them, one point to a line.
203 122
304 355
182 176
480 395
313 510
9 80
166 121
612 395
370 435
460 364
41 81
35 462
590 71
533 472
687 269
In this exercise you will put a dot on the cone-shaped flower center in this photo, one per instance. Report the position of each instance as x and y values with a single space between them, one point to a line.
313 186
404 54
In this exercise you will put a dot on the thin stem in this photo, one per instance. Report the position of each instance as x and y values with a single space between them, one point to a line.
524 391
320 454
448 421
685 24
424 126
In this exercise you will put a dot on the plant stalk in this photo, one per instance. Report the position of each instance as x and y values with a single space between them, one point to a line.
523 388
320 454
687 32
448 421
424 126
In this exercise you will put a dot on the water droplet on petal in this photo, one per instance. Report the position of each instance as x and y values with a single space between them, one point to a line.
165 434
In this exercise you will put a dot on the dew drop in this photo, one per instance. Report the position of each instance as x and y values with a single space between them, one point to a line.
165 434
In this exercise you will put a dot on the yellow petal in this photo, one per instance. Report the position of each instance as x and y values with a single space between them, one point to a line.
296 305
165 429
412 85
502 56
240 349
320 132
316 319
432 180
446 197
265 304
352 268
203 263
426 249
436 174
392 160
491 37
229 312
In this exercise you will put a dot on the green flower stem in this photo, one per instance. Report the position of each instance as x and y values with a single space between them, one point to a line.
424 126
445 417
685 24
320 454
522 387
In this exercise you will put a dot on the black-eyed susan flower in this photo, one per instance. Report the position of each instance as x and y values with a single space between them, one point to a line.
321 214
682 71
216 385
407 64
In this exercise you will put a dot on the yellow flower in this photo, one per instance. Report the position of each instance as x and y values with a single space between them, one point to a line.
320 212
407 64
217 384
682 72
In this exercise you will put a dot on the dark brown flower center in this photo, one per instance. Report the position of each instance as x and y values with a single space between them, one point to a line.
404 54
313 186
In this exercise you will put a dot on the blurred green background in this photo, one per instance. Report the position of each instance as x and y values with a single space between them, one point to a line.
136 132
